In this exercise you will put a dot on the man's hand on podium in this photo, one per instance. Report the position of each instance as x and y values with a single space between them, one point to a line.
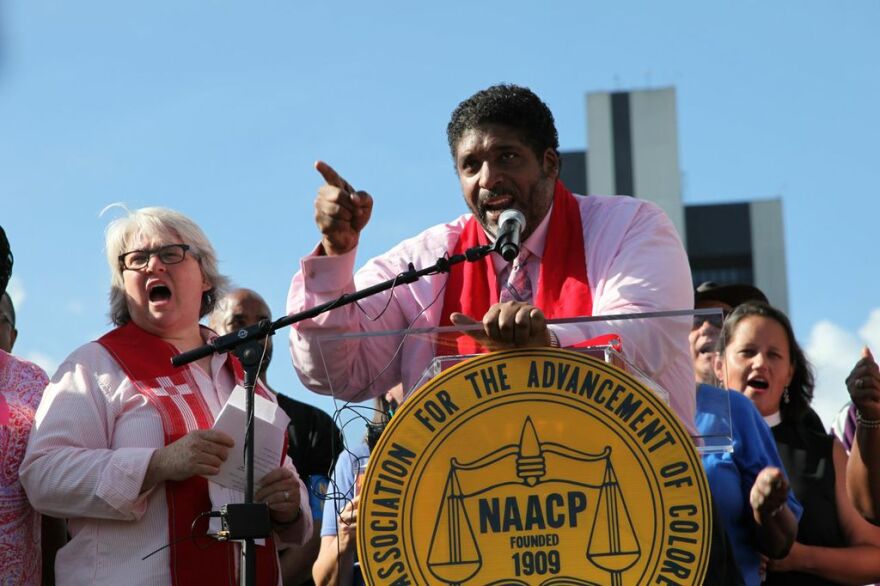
511 324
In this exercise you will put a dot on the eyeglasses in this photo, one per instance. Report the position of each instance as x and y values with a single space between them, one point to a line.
137 260
714 319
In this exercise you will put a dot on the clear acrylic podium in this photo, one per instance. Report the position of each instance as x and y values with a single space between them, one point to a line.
357 366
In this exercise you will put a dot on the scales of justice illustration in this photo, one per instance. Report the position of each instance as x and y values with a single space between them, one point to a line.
454 556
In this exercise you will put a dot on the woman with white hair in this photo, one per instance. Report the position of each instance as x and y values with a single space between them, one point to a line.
123 446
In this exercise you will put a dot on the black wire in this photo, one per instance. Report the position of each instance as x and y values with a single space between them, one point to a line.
192 537
387 303
333 491
397 351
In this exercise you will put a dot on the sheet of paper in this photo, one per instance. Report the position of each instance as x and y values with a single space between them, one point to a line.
270 427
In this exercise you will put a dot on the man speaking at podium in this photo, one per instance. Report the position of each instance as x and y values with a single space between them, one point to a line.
580 256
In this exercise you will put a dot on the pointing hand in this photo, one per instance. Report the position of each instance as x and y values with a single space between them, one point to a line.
341 212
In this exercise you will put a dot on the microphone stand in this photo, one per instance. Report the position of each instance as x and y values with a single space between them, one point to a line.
246 345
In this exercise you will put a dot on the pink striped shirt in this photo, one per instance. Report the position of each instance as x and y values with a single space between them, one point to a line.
635 264
92 441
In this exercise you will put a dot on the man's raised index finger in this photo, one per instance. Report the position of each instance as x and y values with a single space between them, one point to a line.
332 177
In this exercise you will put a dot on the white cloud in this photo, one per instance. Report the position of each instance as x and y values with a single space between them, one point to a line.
75 307
833 351
47 363
870 332
15 288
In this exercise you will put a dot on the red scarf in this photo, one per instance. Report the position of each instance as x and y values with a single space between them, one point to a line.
146 360
563 289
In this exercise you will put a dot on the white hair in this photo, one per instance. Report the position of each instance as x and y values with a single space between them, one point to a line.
153 222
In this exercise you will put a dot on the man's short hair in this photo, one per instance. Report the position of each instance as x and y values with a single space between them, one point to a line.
221 309
5 261
509 105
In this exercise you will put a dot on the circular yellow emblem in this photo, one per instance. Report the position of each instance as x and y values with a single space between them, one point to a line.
534 467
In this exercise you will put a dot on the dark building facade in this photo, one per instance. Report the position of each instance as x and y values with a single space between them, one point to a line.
633 150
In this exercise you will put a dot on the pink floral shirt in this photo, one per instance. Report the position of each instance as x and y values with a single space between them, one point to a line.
21 386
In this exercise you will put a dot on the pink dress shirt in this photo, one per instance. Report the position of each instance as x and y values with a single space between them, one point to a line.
21 385
86 459
635 264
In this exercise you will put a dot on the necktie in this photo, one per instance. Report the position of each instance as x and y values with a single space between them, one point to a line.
518 286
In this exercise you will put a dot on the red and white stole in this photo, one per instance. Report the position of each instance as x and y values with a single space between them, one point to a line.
563 289
146 360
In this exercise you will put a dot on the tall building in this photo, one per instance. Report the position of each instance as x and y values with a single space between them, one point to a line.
633 150
633 140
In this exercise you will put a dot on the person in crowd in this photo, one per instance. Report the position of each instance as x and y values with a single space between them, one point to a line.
757 509
861 435
122 444
21 386
337 563
53 532
581 256
760 357
8 332
704 333
314 440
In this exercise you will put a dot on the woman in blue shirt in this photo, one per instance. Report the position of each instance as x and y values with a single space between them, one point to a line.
733 477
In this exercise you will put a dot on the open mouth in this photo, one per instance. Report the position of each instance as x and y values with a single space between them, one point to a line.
160 293
498 203
759 383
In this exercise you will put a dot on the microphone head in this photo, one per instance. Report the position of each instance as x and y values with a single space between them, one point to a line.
511 224
512 214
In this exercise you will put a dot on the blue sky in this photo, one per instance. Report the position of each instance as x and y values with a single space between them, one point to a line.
219 109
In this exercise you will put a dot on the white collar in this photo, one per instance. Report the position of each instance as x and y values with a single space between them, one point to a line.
773 419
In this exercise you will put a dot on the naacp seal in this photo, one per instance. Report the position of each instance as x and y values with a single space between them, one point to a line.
534 467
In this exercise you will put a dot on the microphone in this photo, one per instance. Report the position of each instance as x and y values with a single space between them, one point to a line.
511 224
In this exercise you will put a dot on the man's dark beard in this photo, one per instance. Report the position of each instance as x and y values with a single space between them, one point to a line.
531 222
